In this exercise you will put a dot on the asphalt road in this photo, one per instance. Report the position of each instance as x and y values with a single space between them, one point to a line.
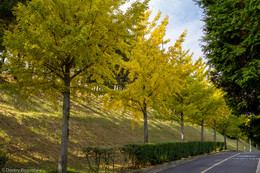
230 162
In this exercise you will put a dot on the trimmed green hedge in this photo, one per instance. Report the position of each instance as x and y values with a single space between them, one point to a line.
155 153
136 155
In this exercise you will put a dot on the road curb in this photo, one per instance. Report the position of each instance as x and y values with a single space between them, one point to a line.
172 164
258 167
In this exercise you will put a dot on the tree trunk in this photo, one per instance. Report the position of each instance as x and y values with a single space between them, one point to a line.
225 140
202 130
145 124
237 144
182 127
62 165
215 131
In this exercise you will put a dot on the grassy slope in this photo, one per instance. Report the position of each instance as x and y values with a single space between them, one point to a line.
31 132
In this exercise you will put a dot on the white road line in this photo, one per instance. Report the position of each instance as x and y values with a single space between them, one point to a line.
220 163
258 167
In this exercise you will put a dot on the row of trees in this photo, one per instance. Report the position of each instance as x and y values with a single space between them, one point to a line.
170 84
71 46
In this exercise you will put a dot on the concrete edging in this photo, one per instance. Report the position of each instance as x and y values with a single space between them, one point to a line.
258 167
172 164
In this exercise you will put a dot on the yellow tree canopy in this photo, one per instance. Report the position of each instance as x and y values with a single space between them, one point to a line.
74 40
149 69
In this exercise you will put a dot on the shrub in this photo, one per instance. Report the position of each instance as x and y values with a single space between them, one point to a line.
105 159
3 156
102 159
3 159
155 153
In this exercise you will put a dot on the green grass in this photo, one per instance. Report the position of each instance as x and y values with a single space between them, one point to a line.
30 132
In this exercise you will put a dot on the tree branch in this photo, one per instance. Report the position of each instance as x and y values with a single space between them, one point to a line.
52 69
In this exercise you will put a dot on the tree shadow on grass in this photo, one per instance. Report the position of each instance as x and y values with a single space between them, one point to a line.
36 103
33 142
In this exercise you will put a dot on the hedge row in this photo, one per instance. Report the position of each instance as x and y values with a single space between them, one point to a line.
136 155
155 153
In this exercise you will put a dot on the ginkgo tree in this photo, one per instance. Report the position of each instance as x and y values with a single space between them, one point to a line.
219 110
234 129
148 69
179 101
58 44
189 103
204 104
229 124
204 96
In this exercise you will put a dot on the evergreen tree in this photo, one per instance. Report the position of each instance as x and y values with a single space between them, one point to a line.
232 37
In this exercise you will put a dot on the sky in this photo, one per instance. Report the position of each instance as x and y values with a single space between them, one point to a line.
183 14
